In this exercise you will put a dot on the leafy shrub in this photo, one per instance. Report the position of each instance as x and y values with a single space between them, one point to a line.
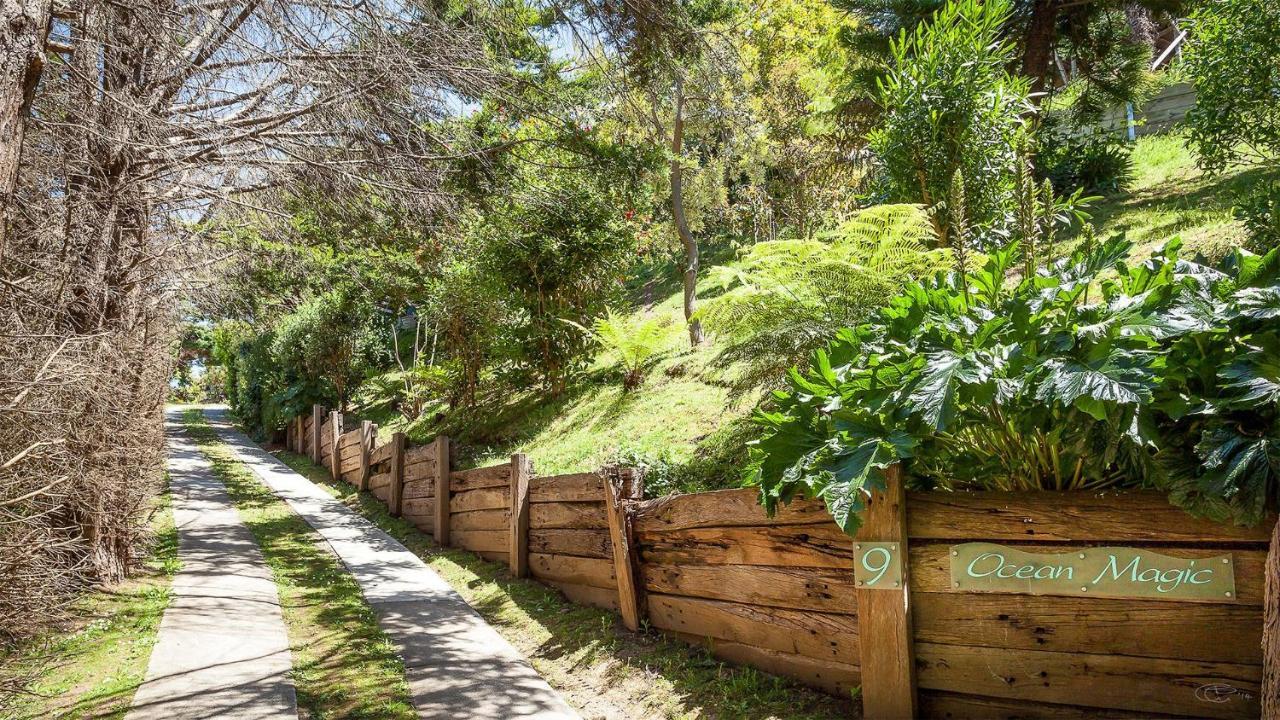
950 105
636 341
1167 379
784 298
1096 162
1232 59
1259 209
332 338
558 250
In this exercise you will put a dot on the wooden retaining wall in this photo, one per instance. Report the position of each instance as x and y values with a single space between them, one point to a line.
780 593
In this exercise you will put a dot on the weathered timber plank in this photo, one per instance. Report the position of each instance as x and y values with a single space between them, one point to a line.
578 487
622 536
592 543
823 589
443 498
350 459
479 540
487 499
419 453
836 678
419 508
420 470
785 545
479 478
1105 681
349 439
419 489
518 515
722 508
575 570
821 636
380 454
350 451
606 598
567 515
954 706
1186 631
931 570
351 477
481 520
1115 518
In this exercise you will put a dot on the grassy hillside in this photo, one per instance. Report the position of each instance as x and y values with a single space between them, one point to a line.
684 422
1171 196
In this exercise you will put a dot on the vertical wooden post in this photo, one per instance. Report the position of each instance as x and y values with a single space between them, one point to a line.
367 435
335 459
317 419
395 499
443 477
615 487
518 547
299 442
884 615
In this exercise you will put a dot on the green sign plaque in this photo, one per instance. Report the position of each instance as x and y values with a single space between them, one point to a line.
877 565
1102 572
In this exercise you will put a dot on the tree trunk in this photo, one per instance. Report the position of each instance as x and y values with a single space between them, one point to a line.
682 223
1037 49
1271 631
24 25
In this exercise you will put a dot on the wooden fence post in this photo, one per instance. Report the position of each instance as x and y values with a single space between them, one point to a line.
616 486
299 442
395 498
884 611
317 419
443 478
518 547
367 435
335 459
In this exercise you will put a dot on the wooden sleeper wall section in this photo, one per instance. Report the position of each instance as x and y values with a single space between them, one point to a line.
988 654
569 544
775 593
480 511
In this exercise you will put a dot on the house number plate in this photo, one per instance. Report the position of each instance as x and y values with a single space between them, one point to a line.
877 565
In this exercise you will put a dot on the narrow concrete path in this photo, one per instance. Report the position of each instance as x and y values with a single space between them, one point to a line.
222 650
456 665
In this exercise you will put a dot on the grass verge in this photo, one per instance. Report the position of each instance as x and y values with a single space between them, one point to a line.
91 667
343 664
600 668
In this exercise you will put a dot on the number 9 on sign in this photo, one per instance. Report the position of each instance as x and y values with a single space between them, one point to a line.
877 565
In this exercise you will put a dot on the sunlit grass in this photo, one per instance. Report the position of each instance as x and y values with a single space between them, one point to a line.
1171 196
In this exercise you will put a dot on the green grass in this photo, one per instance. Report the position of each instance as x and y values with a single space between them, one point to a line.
684 422
584 652
1171 196
343 664
91 666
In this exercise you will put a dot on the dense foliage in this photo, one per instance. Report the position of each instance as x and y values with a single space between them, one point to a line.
951 106
1091 373
784 298
1235 66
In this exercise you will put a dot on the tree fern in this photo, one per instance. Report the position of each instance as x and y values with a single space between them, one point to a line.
635 340
783 298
